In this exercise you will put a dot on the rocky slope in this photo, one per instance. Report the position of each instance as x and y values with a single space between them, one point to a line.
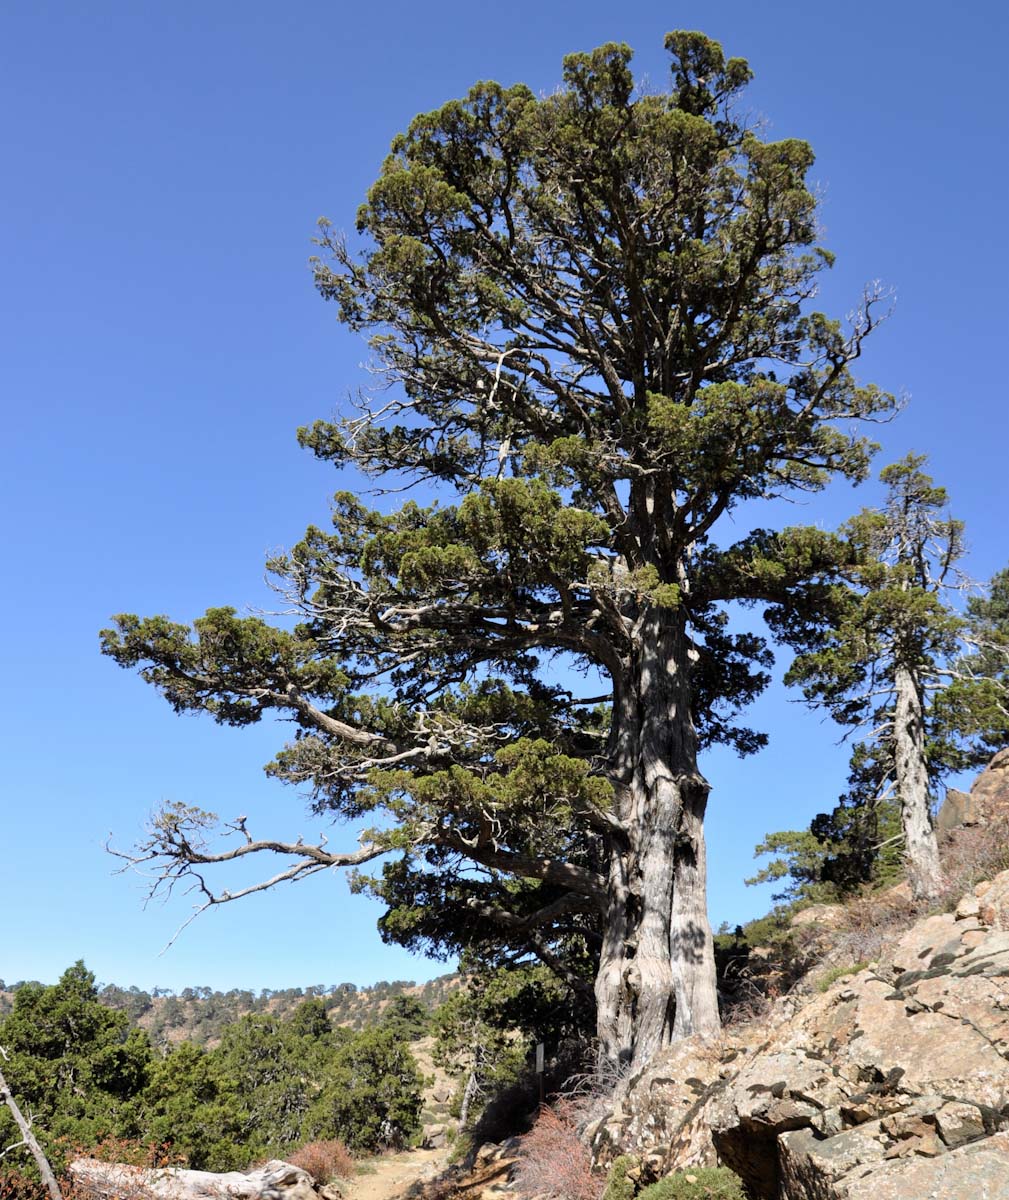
892 1083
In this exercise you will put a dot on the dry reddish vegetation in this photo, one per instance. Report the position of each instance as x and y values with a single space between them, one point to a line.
324 1160
975 852
554 1161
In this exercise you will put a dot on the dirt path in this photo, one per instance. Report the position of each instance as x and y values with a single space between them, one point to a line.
394 1173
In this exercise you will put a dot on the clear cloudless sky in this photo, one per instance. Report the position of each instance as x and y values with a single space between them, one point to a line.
163 167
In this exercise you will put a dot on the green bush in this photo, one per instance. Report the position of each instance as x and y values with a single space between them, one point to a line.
273 1083
371 1093
836 973
75 1065
618 1186
703 1183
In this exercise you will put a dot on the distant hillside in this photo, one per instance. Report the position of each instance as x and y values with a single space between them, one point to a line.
198 1014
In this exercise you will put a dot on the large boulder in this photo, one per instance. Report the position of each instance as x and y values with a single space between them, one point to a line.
991 788
659 1112
894 1082
987 798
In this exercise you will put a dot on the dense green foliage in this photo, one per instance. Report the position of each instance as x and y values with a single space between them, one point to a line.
486 1031
370 1094
271 1084
76 1065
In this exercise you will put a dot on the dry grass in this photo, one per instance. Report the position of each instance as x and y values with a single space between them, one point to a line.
866 929
972 853
871 924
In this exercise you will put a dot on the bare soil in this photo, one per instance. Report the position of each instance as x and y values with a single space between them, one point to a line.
394 1174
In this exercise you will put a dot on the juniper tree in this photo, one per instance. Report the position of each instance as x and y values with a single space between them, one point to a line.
72 1064
592 313
967 721
890 646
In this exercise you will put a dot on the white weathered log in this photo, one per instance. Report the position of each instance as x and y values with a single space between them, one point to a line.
275 1180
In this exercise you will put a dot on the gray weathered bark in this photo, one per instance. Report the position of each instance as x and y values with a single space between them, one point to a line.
920 845
656 979
693 951
468 1096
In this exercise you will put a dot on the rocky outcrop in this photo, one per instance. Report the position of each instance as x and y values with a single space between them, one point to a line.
988 797
991 788
660 1114
892 1083
274 1181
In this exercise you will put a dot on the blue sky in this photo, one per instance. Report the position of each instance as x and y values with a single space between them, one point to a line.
164 166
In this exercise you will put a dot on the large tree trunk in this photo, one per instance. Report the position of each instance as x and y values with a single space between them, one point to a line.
693 951
920 846
656 977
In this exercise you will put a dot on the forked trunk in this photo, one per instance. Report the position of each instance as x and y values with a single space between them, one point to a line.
920 846
656 977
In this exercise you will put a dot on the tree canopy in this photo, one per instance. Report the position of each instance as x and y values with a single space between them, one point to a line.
591 316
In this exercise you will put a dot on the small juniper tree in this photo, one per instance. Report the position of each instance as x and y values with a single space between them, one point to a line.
592 312
888 651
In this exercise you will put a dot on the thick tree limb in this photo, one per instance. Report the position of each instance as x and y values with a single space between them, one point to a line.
550 870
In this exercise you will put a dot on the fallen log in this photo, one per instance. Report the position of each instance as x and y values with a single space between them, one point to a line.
275 1180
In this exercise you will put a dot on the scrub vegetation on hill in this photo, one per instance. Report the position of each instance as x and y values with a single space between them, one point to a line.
272 1083
200 1014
